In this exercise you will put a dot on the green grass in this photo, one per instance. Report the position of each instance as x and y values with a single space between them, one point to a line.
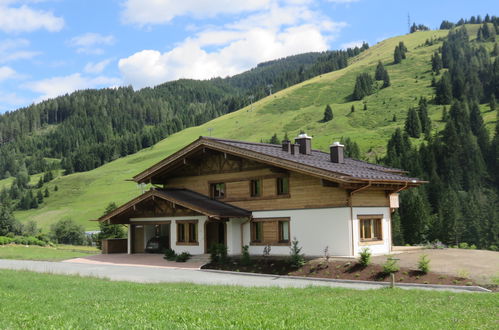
84 196
60 252
31 300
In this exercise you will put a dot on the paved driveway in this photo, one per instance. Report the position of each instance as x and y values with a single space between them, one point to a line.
177 275
481 265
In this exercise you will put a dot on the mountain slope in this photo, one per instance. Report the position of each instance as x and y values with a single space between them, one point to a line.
83 196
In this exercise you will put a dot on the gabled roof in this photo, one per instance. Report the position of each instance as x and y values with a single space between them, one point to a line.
318 163
188 199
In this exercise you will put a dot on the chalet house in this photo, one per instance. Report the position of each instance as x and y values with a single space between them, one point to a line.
257 194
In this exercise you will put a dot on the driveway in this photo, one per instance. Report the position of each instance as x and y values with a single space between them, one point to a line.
150 274
480 265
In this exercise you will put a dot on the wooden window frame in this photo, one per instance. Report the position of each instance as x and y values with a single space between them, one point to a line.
376 229
212 190
278 192
186 224
278 241
253 188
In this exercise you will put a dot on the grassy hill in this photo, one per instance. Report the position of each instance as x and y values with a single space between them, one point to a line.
84 196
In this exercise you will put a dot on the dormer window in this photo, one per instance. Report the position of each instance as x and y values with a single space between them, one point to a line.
217 190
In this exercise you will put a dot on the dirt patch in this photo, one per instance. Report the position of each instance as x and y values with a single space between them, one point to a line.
334 269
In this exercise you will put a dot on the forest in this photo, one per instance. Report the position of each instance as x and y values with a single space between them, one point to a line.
461 201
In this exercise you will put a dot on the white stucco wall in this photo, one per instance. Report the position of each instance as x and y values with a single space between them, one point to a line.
313 228
383 248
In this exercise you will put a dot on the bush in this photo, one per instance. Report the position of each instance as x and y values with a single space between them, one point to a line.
463 245
66 231
245 257
218 253
436 244
183 257
365 257
5 240
424 264
390 266
170 255
296 259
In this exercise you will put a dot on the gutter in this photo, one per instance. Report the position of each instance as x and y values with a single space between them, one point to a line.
351 211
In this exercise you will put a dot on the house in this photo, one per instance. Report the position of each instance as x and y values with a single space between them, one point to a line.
244 193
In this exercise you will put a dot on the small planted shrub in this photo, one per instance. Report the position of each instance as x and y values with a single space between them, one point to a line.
170 255
245 256
390 266
183 257
365 257
218 253
424 264
266 251
297 259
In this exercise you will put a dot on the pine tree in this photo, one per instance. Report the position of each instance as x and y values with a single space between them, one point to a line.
56 188
495 51
436 63
274 139
423 116
397 235
413 124
352 108
444 90
386 80
39 197
415 216
328 114
492 102
380 71
46 193
397 55
363 86
444 114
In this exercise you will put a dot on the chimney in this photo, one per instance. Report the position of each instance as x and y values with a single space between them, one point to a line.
295 148
305 143
337 153
286 146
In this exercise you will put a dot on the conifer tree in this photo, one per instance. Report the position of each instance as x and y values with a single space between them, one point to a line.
274 139
413 124
352 108
328 114
380 71
46 193
397 55
423 116
492 102
444 90
363 86
415 216
39 197
436 63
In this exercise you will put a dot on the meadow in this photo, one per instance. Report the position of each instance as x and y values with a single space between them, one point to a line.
84 196
56 253
32 300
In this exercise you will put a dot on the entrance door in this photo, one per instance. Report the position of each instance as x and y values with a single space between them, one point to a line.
138 239
215 233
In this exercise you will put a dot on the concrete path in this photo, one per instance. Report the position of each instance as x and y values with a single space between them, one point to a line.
179 275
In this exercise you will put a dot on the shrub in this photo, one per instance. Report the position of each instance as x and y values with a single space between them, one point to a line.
218 253
5 240
390 266
183 257
245 257
424 264
436 244
266 251
296 259
365 257
66 231
170 255
463 245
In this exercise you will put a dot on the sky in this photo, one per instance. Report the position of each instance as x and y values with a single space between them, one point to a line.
52 47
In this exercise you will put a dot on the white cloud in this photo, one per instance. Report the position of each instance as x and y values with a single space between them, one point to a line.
275 32
10 50
144 12
87 43
352 44
56 86
7 73
97 67
11 101
26 19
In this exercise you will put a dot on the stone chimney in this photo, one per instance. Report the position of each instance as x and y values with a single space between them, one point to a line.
336 151
305 143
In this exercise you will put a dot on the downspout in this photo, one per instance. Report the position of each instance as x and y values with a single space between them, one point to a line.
351 210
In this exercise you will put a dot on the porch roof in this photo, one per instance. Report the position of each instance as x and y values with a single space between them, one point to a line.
186 198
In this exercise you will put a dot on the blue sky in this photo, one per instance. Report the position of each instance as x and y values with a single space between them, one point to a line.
52 47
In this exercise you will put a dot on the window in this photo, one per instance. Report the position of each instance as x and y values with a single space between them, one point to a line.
218 190
370 229
283 186
187 232
270 231
256 188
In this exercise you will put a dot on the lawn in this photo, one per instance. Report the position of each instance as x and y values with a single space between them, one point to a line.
32 300
57 253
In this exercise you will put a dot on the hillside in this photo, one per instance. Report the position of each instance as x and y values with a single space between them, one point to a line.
84 196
